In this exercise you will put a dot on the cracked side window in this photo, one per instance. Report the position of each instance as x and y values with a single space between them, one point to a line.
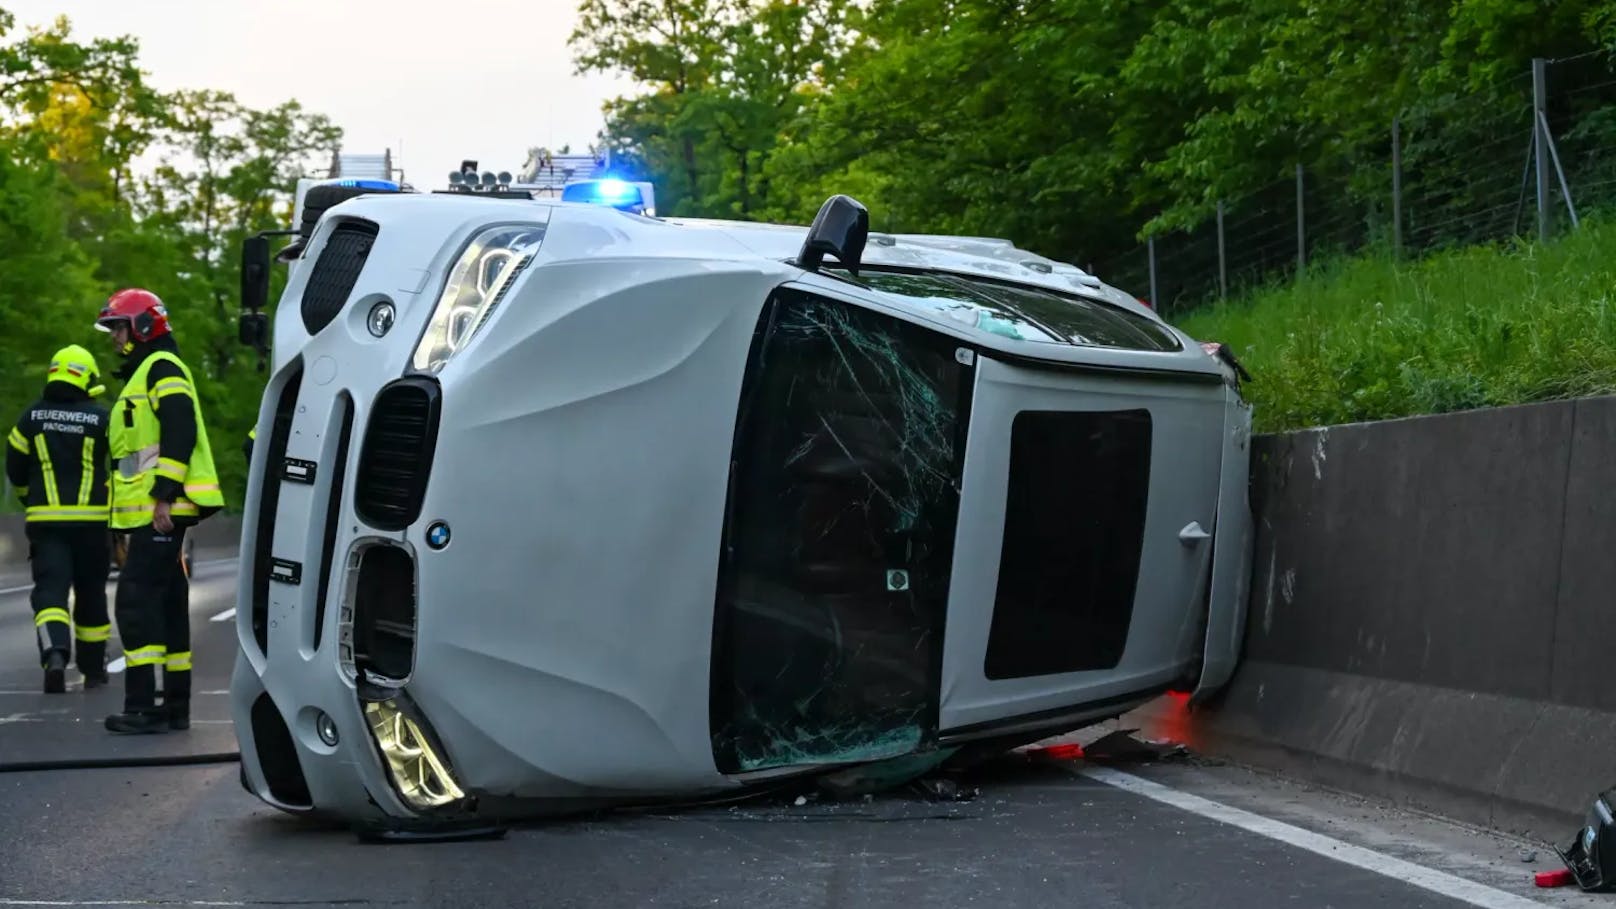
1021 311
834 581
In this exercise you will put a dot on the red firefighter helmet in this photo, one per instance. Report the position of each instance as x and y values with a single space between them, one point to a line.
145 313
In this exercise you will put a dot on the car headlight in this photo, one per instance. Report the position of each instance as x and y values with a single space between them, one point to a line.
479 280
418 773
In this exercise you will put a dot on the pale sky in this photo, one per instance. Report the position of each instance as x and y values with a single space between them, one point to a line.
435 81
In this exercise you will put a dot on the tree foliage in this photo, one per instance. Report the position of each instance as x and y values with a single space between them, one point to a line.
84 212
1075 127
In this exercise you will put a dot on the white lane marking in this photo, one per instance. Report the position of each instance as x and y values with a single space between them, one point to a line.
1439 882
117 665
21 718
225 616
6 902
25 587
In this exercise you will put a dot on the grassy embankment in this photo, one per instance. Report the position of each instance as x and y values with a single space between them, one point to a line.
1371 338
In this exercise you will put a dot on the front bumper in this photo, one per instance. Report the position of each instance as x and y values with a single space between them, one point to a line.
285 762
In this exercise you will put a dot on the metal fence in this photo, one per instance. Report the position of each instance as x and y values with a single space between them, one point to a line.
1529 158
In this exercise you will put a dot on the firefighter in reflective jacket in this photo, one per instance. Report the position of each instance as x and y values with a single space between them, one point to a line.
163 482
56 457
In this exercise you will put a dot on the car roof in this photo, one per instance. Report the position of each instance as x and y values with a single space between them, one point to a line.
982 280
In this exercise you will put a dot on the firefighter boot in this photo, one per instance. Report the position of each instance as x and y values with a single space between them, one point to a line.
92 663
140 721
55 672
179 713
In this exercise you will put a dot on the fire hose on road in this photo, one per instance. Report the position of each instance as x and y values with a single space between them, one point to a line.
179 760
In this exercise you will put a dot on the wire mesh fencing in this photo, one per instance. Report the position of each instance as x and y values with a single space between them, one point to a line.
1526 158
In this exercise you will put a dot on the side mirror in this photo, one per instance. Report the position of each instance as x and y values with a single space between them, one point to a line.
253 330
840 229
254 273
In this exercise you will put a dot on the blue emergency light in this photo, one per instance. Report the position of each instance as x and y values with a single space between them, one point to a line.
385 185
610 191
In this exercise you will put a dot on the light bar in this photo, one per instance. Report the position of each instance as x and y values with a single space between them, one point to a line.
610 191
385 185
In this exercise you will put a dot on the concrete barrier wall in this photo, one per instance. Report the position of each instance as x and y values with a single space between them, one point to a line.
1433 614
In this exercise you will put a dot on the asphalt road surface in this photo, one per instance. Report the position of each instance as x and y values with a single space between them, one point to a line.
1180 833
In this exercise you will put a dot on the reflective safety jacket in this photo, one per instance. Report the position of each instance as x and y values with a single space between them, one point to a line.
56 457
154 456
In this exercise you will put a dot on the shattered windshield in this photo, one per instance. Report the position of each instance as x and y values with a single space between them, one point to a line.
1021 312
839 555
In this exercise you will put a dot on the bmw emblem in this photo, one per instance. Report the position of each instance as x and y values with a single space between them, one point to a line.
437 535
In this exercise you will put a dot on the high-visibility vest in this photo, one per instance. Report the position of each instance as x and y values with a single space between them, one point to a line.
135 438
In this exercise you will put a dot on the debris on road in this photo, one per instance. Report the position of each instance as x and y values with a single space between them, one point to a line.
881 776
942 789
1120 746
1070 751
1557 878
1591 856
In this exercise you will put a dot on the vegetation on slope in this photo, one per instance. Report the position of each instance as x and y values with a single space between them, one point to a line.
1373 338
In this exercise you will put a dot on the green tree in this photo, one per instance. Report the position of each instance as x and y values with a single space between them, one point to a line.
77 221
1071 126
670 47
229 174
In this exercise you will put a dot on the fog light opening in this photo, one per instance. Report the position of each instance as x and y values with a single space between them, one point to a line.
417 771
326 728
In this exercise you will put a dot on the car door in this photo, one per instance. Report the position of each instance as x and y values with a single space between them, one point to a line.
1087 508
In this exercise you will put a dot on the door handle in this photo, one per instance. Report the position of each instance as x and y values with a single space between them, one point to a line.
1192 534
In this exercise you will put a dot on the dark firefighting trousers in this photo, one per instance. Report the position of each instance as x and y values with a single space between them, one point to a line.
154 621
71 557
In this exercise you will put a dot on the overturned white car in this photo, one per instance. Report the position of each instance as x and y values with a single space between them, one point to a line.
556 505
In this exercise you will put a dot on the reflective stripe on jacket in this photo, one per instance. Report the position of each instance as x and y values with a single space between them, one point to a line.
57 458
136 438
